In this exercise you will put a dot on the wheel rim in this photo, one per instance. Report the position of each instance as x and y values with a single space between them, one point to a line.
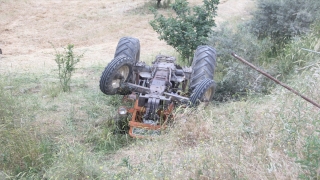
207 95
124 73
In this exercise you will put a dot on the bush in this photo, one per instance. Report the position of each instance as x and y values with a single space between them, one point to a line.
236 79
188 29
293 58
283 20
66 65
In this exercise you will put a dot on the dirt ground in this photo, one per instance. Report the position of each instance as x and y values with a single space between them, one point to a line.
28 28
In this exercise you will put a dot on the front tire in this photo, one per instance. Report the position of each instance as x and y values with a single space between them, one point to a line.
118 71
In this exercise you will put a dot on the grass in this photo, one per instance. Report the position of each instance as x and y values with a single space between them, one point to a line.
47 133
148 5
257 139
38 120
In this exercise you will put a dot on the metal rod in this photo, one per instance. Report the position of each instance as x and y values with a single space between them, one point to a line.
310 50
275 80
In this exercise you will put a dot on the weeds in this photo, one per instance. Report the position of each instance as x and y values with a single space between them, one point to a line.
311 158
70 135
7 107
66 65
76 161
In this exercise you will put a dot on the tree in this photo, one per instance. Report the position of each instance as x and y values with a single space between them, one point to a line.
282 20
188 29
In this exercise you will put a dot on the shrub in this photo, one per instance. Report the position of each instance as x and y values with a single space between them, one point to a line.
293 57
66 65
283 20
188 29
236 79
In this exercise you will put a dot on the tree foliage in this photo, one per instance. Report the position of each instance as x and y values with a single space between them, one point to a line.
284 19
189 28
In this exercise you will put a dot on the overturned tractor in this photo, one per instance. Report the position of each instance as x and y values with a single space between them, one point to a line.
158 88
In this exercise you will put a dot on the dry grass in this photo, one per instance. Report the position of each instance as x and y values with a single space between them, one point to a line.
258 139
27 27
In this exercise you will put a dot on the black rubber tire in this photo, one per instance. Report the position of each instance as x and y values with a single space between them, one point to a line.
129 47
112 73
199 93
203 65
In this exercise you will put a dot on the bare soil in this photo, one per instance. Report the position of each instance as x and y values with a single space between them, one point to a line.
29 28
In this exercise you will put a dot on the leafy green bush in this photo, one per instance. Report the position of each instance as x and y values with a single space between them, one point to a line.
235 79
283 20
66 65
189 28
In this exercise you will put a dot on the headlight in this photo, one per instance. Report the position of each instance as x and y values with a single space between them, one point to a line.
122 110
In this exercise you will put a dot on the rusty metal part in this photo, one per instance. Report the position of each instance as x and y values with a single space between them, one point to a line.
137 119
275 80
157 88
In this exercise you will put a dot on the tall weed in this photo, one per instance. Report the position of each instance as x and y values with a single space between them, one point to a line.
66 65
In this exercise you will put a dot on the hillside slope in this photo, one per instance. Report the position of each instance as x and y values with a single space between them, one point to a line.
29 27
261 138
67 135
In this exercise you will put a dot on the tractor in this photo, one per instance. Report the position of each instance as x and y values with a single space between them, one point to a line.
158 88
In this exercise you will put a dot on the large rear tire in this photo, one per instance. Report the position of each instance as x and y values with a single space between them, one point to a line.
203 65
203 92
129 47
119 70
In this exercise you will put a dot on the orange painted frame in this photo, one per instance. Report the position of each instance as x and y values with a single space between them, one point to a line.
134 122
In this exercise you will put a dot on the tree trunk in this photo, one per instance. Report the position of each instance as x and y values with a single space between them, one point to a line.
158 3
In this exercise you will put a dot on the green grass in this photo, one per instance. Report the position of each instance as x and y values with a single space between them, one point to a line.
49 134
38 120
260 138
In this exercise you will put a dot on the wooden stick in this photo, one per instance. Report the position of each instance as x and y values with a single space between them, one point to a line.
275 80
310 50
